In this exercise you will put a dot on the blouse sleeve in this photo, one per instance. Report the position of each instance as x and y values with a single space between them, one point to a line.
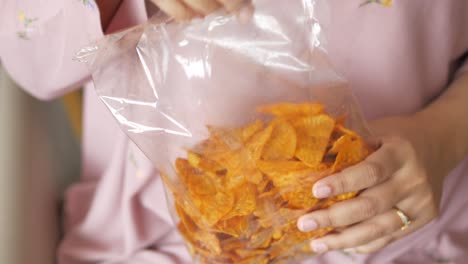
121 218
38 42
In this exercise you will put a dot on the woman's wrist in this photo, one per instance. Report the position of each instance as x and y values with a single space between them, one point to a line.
443 130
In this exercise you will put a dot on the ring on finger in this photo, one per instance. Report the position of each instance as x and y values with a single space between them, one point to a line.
405 220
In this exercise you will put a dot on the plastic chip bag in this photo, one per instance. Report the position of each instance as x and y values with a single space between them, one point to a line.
240 117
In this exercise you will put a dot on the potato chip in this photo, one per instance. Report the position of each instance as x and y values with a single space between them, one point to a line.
300 197
250 130
257 142
184 169
233 226
211 147
282 143
233 243
267 207
289 173
225 138
250 253
213 207
262 185
202 163
273 169
185 219
230 160
340 128
196 181
350 149
208 240
261 239
235 178
259 259
252 228
188 235
313 134
245 201
291 109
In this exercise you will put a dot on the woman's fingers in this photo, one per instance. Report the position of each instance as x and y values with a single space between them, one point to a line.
373 234
204 7
418 220
175 9
373 246
188 9
360 234
377 168
368 204
232 5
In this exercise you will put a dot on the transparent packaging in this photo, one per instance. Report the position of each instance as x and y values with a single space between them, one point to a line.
240 118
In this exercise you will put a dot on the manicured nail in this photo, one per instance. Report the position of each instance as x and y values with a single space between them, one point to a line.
319 247
322 191
307 225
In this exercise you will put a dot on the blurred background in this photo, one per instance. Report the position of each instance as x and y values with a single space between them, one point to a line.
39 158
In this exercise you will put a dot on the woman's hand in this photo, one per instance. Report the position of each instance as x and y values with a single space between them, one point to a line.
398 175
406 173
188 9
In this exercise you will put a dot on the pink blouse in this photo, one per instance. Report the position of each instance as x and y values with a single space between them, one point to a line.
397 60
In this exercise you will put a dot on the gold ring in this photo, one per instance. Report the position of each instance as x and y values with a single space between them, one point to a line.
404 218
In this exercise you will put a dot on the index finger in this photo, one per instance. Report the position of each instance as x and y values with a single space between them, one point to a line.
175 9
375 169
232 5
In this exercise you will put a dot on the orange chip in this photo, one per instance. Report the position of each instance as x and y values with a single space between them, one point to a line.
196 181
288 173
263 184
260 259
299 196
225 136
350 149
274 168
213 207
234 226
251 253
202 163
256 143
233 243
250 130
261 239
208 241
211 148
291 109
231 160
245 201
184 169
185 219
234 179
267 206
342 129
282 144
202 184
313 134
188 235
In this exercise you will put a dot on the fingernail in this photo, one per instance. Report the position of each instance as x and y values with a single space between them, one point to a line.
322 191
319 247
307 225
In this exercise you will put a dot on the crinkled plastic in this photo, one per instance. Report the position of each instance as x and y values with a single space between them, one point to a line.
240 117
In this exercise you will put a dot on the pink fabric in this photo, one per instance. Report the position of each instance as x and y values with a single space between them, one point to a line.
397 59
